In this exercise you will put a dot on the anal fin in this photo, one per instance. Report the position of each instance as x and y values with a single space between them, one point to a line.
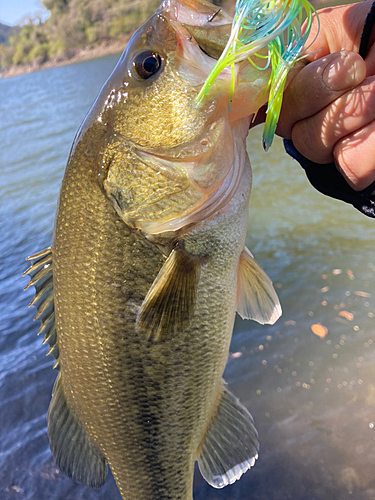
171 299
257 299
71 448
231 445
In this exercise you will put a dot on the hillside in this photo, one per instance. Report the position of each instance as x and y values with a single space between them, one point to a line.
6 31
74 30
72 27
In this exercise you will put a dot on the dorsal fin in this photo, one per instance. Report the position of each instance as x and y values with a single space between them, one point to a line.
231 445
171 299
257 299
40 273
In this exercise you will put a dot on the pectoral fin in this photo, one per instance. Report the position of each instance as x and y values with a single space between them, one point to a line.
170 301
257 298
230 446
74 453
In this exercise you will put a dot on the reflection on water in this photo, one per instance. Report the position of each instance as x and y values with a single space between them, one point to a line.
312 397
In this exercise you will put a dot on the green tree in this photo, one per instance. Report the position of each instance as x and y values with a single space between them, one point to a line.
56 5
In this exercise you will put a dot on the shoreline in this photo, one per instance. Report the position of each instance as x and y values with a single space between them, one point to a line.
104 49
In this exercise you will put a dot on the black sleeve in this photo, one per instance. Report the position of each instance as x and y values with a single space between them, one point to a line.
326 178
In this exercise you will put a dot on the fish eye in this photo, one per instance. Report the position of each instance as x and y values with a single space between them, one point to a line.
146 64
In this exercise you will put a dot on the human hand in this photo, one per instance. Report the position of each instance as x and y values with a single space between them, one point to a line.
329 105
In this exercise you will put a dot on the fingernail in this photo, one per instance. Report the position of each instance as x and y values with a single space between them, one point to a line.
345 71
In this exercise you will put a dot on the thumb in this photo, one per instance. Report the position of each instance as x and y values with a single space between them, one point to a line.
317 85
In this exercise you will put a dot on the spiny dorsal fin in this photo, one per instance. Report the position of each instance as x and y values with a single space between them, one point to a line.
40 273
74 453
257 298
231 445
171 299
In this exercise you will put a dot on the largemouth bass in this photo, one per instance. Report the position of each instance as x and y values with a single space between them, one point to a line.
138 293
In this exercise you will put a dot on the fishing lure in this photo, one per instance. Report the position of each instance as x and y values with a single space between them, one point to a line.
275 25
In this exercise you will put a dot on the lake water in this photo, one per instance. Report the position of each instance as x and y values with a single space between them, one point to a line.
313 399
